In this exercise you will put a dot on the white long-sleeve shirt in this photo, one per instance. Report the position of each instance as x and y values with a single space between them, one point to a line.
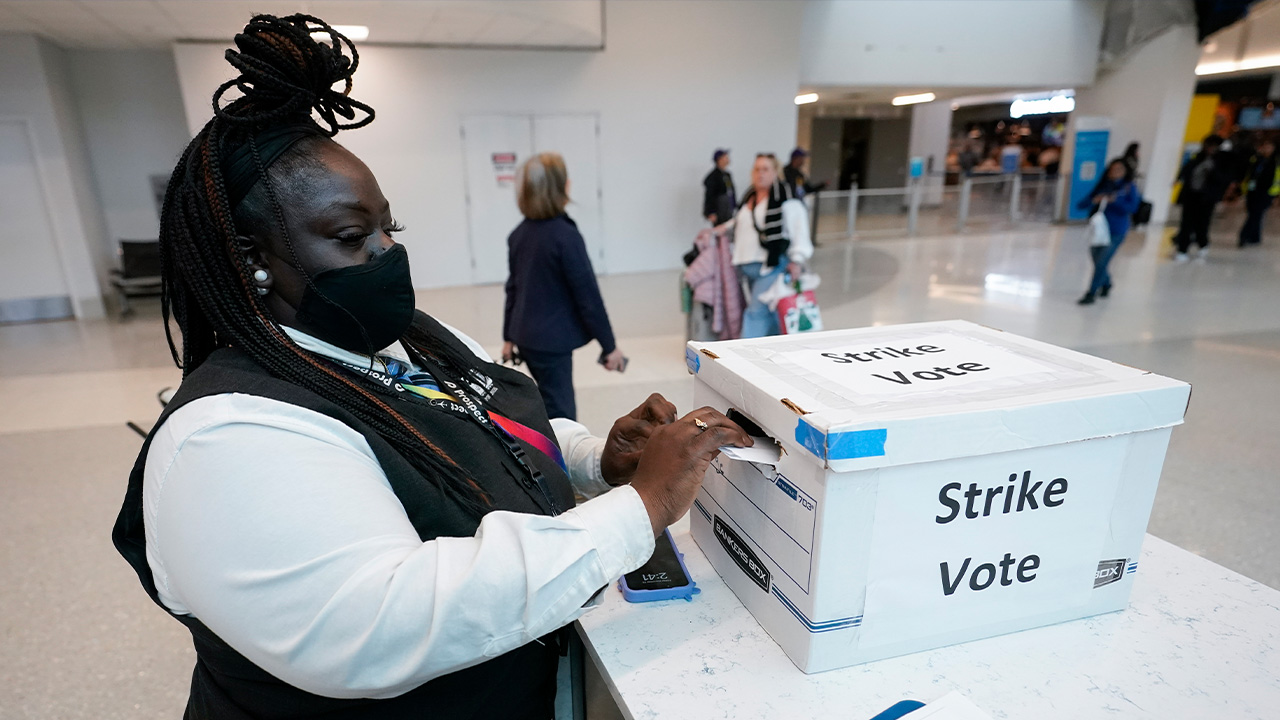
275 526
795 225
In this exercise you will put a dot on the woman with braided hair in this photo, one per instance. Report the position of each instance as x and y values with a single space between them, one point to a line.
352 509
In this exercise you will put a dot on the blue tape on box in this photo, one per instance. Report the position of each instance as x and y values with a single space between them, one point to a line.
691 360
841 445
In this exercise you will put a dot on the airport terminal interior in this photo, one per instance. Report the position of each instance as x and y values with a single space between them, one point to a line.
968 200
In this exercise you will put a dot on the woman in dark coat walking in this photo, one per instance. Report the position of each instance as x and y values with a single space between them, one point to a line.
553 302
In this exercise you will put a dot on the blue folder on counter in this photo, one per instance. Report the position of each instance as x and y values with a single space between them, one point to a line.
899 709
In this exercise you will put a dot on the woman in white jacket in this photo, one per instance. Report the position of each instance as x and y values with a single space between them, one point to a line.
770 237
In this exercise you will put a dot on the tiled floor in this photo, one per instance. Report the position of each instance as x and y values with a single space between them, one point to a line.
79 639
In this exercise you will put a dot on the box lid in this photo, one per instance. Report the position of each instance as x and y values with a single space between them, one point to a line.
894 395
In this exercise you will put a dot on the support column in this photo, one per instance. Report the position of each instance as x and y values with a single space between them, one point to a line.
1147 96
930 135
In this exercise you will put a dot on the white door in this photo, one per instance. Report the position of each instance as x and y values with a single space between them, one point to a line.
31 277
493 146
577 139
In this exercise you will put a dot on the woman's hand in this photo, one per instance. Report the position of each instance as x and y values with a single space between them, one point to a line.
508 352
629 436
615 361
676 457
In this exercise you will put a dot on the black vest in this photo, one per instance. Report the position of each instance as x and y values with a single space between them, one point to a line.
519 684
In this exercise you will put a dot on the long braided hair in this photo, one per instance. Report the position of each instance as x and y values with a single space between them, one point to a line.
208 289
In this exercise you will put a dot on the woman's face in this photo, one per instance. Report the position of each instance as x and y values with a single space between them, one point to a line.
336 216
1116 171
763 174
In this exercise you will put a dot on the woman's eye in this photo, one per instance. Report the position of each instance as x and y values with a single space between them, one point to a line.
352 238
394 228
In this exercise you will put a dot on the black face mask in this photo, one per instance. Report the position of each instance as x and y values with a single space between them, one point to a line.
362 308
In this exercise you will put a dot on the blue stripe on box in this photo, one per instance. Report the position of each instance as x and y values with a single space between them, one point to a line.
841 445
691 360
811 626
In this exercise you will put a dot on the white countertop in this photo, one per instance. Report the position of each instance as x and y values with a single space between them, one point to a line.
1197 641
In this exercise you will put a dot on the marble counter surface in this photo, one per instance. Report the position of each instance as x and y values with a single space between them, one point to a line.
1197 641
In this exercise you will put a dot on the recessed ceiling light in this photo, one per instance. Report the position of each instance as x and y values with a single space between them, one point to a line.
806 98
354 33
913 99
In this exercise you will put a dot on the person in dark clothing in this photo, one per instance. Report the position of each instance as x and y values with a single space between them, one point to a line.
1122 198
794 175
1261 187
553 303
719 197
1130 158
353 510
1204 179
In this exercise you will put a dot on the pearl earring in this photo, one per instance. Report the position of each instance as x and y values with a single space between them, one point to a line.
260 275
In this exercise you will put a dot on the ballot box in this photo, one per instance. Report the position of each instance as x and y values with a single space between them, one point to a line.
921 485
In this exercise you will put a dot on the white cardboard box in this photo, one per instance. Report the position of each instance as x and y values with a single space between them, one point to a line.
938 483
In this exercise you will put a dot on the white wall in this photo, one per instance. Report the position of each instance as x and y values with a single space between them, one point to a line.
35 86
1147 97
134 127
676 80
947 43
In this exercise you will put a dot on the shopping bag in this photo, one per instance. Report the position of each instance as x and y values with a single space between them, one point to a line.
1099 231
799 313
786 286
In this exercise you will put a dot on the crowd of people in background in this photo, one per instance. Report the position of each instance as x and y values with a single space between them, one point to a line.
757 240
981 148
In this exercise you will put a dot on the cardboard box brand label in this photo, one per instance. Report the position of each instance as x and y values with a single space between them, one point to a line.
1109 571
741 554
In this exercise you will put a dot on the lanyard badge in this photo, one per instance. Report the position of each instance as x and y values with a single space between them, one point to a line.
461 401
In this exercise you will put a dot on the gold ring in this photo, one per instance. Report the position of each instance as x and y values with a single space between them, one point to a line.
702 426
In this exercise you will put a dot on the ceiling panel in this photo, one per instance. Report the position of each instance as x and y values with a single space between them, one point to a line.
456 26
1264 32
156 23
13 21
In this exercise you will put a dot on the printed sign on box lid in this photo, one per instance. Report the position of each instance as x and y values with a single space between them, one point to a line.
931 391
924 364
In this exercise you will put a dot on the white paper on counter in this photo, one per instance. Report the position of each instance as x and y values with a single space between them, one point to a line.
952 706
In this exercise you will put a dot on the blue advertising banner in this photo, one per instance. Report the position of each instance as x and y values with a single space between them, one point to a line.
1086 168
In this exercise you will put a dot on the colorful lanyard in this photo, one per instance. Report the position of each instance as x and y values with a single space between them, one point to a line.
430 390
399 377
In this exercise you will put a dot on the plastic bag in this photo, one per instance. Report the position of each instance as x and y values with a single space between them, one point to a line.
785 287
1099 231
